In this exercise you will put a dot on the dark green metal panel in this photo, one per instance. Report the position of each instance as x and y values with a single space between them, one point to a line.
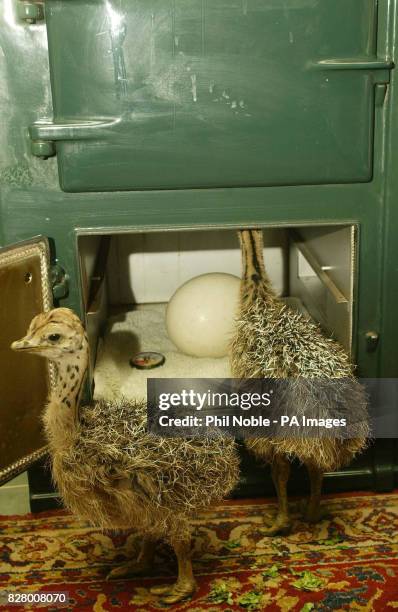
201 93
31 201
69 213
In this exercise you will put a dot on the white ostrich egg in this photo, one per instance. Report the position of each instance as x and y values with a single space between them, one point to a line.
200 315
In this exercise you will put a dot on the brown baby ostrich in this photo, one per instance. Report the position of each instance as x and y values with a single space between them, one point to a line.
111 471
272 341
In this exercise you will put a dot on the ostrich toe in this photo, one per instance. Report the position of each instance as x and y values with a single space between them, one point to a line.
281 526
141 565
173 593
131 568
315 514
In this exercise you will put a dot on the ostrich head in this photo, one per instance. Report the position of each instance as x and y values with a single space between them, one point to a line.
57 335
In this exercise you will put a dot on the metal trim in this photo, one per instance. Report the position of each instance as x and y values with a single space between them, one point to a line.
38 246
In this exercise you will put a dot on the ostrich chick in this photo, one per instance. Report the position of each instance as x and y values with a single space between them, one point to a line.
272 341
111 471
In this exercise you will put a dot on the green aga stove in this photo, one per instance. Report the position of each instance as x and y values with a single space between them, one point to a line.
138 135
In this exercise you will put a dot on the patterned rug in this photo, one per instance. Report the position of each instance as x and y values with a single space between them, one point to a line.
347 562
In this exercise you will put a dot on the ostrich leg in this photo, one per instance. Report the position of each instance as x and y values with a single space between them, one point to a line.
280 470
313 512
185 585
141 565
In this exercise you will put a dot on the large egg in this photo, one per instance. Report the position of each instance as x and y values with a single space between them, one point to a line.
200 315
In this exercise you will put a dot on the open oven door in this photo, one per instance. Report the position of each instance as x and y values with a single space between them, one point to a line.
25 380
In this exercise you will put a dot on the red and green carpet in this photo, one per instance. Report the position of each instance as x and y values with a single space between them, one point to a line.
347 562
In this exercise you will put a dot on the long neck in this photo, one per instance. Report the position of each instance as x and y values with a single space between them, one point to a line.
254 276
61 417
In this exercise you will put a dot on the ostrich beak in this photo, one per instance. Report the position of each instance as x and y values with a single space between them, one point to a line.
17 345
24 344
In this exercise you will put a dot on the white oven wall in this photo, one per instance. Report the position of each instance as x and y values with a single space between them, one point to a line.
148 268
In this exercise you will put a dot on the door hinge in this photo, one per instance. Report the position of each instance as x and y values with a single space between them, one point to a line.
59 282
43 148
45 134
31 12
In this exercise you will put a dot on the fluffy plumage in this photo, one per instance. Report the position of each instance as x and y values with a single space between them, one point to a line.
111 471
272 341
118 475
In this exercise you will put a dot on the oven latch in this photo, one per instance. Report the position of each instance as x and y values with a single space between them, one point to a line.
372 340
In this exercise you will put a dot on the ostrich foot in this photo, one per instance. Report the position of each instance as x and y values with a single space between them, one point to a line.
173 593
131 568
313 512
281 526
315 515
141 565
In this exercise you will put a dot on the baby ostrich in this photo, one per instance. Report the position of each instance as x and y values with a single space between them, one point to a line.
111 471
272 341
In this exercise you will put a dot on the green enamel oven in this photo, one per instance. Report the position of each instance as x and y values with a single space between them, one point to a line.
138 135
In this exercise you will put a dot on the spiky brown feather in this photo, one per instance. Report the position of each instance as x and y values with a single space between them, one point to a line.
272 341
108 468
117 475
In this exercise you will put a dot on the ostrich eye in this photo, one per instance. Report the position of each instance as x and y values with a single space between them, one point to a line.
54 337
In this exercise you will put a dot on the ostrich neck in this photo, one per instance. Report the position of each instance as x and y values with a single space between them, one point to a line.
255 283
61 418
